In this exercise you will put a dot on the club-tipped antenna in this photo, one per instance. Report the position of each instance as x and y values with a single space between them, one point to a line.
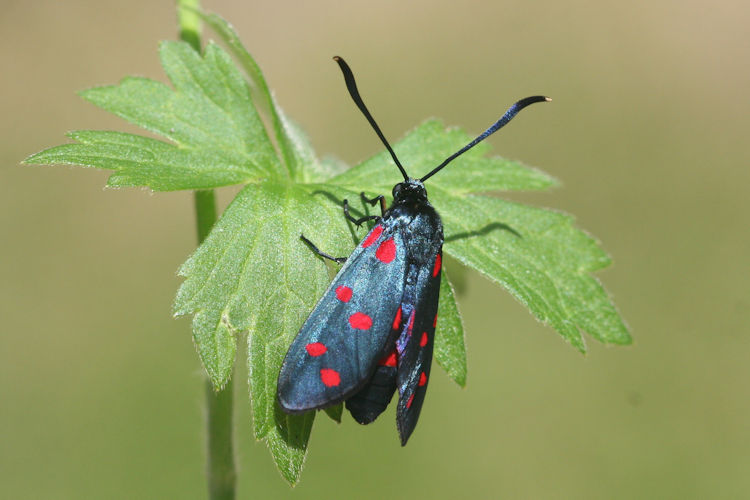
508 116
352 86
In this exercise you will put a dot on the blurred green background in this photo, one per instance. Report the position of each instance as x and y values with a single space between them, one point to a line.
101 392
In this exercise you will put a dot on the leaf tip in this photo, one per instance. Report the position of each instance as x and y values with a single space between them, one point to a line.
220 376
86 93
29 160
624 339
576 341
38 158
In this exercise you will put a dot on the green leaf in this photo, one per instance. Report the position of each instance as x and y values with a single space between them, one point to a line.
142 161
540 257
296 148
218 136
450 351
286 136
288 443
335 412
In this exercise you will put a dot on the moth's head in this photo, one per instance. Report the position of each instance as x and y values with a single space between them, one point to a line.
411 190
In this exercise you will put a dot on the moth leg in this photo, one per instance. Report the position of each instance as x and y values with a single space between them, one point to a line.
361 220
372 201
338 260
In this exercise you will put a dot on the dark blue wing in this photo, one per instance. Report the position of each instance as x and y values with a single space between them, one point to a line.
414 345
338 347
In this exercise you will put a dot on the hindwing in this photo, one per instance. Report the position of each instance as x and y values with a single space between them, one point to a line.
415 345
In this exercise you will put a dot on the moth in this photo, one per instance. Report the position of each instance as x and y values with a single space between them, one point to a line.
373 331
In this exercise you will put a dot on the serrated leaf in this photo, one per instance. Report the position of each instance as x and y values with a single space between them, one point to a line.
295 145
314 170
450 350
288 443
218 137
539 256
288 137
142 161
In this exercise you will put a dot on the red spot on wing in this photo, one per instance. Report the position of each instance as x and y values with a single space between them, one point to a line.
397 319
330 378
411 400
373 236
344 293
360 321
438 264
422 379
423 341
434 321
386 252
389 360
316 349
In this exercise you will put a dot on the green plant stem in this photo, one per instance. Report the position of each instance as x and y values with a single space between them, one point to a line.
220 471
189 22
205 212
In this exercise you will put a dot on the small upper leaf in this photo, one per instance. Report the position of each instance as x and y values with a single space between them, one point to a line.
288 138
218 137
142 161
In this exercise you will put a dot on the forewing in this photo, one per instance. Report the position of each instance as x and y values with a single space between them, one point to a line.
415 346
338 347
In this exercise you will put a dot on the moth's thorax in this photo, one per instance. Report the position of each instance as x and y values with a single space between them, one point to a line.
413 215
411 192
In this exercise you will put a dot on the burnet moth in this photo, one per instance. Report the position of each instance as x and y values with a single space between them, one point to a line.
372 332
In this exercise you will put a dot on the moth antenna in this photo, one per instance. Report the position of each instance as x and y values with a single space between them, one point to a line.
351 85
508 116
